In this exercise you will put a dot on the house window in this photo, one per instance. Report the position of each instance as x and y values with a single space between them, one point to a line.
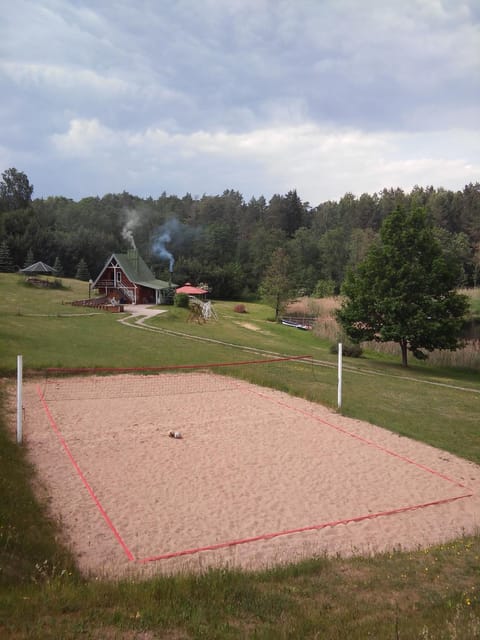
119 276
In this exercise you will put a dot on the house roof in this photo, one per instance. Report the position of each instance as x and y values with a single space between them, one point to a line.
136 270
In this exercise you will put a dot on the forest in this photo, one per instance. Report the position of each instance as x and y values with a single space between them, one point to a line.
222 240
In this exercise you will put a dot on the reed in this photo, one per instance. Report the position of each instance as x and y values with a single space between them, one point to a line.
327 327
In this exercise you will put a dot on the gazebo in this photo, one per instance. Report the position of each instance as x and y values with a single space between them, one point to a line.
190 290
38 269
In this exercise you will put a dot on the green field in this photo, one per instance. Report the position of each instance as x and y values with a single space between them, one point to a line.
432 594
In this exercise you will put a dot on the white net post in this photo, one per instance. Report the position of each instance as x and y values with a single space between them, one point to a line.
19 399
339 392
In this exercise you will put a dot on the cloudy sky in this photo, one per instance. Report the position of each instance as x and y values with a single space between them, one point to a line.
261 96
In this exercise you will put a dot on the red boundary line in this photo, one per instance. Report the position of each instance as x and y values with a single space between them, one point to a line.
173 367
54 426
313 527
324 525
366 441
267 536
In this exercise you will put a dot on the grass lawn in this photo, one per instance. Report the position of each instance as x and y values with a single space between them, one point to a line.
433 593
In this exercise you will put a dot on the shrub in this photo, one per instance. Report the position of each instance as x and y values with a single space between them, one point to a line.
240 308
349 349
181 300
324 289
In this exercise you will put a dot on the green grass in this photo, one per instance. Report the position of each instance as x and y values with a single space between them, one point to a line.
27 540
433 593
474 296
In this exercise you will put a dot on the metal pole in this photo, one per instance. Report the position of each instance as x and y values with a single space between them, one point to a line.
339 397
19 399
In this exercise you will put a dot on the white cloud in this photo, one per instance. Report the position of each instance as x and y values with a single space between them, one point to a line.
63 77
85 138
320 163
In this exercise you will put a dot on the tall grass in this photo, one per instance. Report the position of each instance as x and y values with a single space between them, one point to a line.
467 357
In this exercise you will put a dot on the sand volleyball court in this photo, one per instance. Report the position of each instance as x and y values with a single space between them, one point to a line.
257 478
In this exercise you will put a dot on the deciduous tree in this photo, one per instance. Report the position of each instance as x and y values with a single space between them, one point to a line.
15 190
277 287
404 290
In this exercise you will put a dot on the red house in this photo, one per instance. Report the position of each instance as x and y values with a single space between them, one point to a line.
127 278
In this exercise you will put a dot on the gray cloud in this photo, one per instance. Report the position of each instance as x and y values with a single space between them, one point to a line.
258 95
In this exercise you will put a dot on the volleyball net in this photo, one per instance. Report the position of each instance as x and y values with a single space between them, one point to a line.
282 373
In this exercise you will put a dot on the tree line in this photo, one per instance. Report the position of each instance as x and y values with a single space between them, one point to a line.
224 241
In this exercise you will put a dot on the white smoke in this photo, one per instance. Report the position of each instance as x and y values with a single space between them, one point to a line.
129 226
162 237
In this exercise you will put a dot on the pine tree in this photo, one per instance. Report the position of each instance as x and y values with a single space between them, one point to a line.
30 259
58 268
6 262
82 271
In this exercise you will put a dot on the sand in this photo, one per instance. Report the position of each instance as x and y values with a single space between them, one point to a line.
258 477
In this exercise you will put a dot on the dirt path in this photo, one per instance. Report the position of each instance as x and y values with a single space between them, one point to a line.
142 312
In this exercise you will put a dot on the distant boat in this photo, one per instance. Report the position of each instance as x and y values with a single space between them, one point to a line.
296 324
